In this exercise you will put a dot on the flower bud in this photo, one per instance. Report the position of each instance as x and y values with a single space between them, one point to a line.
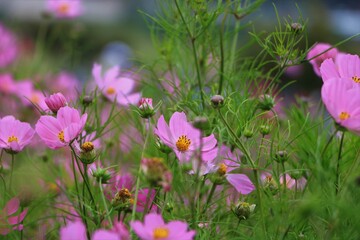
243 210
264 129
281 156
146 109
248 133
270 185
296 27
266 102
122 200
162 147
102 175
87 100
156 172
55 102
87 153
217 101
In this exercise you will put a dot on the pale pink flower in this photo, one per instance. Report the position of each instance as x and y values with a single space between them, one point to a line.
60 131
14 135
65 8
114 86
8 47
66 83
342 99
118 232
55 102
8 220
73 231
291 183
155 228
346 66
7 83
29 96
182 137
318 49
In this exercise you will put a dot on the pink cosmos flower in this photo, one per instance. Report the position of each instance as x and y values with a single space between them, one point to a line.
9 221
55 102
342 99
118 232
28 95
8 47
155 228
59 131
346 66
182 137
14 135
292 183
228 162
7 84
115 87
73 231
317 61
65 8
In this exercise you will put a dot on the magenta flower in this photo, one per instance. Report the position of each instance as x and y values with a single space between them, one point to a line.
154 228
115 87
8 47
73 231
182 137
346 66
318 49
342 99
60 131
55 102
8 220
65 8
14 135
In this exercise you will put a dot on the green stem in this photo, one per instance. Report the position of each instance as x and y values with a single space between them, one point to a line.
104 202
133 213
337 187
147 203
211 194
12 169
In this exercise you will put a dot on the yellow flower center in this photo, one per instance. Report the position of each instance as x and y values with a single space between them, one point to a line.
61 136
12 139
161 232
63 8
183 143
110 90
356 79
87 146
222 169
344 115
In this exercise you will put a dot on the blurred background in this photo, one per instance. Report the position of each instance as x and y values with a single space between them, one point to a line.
114 32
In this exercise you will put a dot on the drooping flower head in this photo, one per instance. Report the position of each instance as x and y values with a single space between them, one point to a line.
14 135
115 87
342 99
318 49
65 8
8 220
8 47
154 228
59 131
182 137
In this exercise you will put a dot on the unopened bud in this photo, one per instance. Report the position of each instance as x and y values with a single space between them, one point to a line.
266 102
281 156
264 129
243 210
248 133
217 101
146 109
87 154
162 147
201 123
122 200
102 175
296 27
55 102
87 100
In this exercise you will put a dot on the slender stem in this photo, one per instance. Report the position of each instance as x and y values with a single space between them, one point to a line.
328 143
222 61
284 176
337 187
192 40
147 203
104 202
211 194
139 172
12 169
119 214
241 146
